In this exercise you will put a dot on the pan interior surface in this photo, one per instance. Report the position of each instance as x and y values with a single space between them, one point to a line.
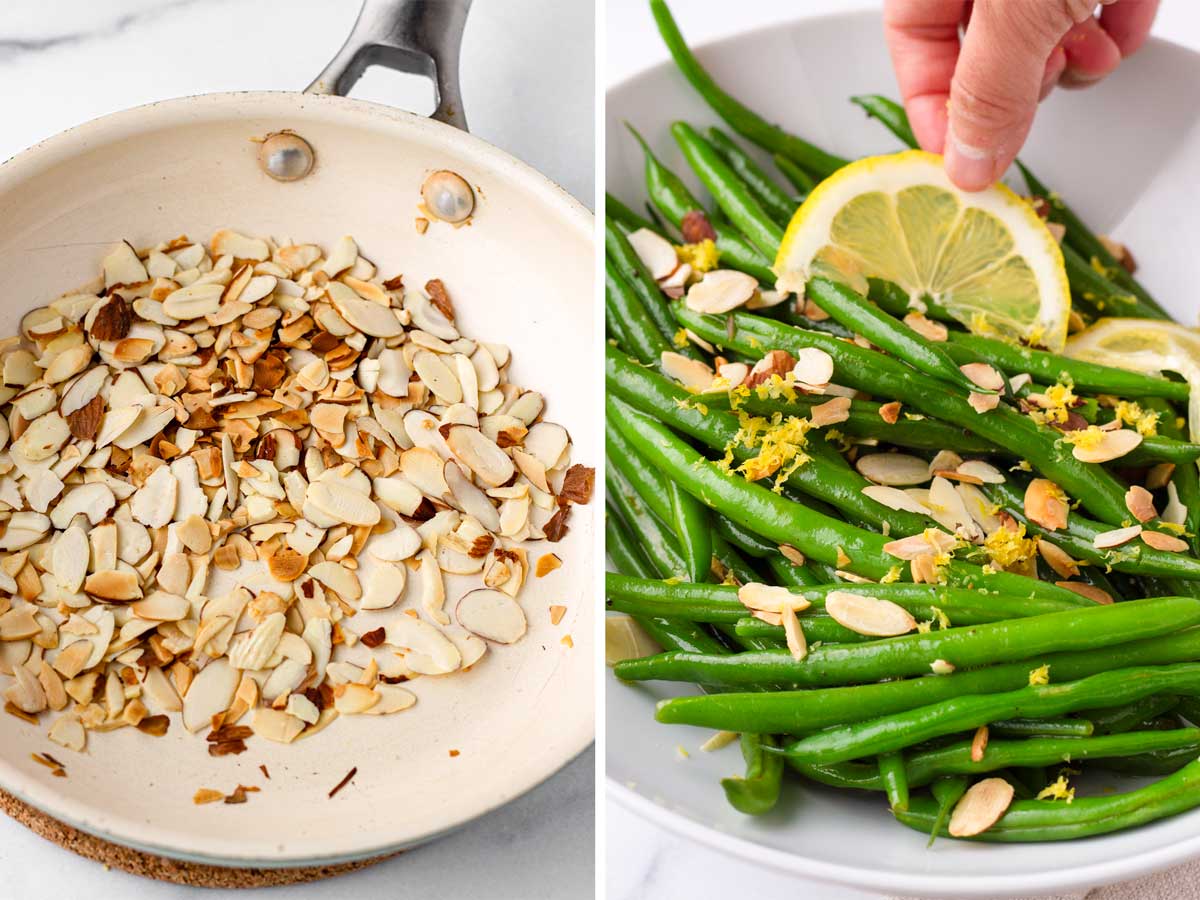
520 273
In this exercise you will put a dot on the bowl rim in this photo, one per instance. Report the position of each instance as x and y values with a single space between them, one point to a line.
230 105
951 886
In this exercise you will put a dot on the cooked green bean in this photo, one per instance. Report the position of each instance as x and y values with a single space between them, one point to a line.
624 216
904 729
640 336
740 118
774 199
798 712
895 779
694 531
1042 727
799 179
757 792
912 654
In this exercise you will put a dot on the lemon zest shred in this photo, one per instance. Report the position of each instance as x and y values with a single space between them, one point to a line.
1040 675
1059 790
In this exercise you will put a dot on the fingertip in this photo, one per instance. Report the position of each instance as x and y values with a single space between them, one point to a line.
928 117
1055 66
970 168
1091 54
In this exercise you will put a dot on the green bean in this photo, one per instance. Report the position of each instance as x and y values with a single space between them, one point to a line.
635 274
773 199
624 216
719 602
799 179
1078 540
675 201
642 336
925 767
1101 294
871 371
624 552
1042 820
816 628
946 793
912 654
1042 727
895 779
670 633
1080 238
825 475
758 791
817 536
692 528
731 194
1118 719
866 421
1189 708
657 541
854 312
792 574
1156 762
1049 368
904 729
740 118
803 711
890 114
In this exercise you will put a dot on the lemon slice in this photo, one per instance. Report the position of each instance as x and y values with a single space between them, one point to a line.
986 257
1150 346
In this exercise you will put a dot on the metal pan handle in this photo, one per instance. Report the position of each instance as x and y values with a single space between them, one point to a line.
420 37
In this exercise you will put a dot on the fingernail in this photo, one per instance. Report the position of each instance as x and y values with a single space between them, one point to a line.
971 168
1077 78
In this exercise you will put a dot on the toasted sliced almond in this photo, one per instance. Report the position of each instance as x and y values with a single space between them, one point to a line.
1108 539
1058 559
770 598
1083 589
894 469
482 456
983 403
655 251
796 642
868 615
720 291
983 375
980 807
1140 502
1109 446
491 614
1046 504
1160 541
814 367
691 373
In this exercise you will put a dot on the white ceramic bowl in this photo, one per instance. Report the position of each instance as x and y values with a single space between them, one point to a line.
521 274
1124 154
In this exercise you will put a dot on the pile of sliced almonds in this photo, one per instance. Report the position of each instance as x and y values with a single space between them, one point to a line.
221 466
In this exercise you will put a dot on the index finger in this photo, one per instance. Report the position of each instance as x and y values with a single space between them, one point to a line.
922 37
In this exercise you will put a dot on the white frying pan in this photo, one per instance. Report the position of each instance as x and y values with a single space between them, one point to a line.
521 274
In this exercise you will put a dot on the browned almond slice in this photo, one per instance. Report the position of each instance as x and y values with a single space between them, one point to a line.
868 615
1160 541
979 743
113 586
981 807
796 641
930 541
1140 502
890 412
1057 559
830 412
1046 504
1083 589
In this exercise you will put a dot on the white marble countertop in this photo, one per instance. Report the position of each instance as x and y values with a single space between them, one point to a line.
528 76
644 861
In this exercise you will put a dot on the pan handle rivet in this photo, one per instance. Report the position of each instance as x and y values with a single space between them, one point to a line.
448 196
286 156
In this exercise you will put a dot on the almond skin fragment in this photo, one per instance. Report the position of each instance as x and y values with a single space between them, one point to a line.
113 320
695 227
981 807
85 421
1046 505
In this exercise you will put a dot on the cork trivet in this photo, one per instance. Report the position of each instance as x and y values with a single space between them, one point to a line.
161 868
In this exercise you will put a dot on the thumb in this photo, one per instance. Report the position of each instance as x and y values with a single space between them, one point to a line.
994 93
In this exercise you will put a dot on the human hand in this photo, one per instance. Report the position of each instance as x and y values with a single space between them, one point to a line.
975 102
